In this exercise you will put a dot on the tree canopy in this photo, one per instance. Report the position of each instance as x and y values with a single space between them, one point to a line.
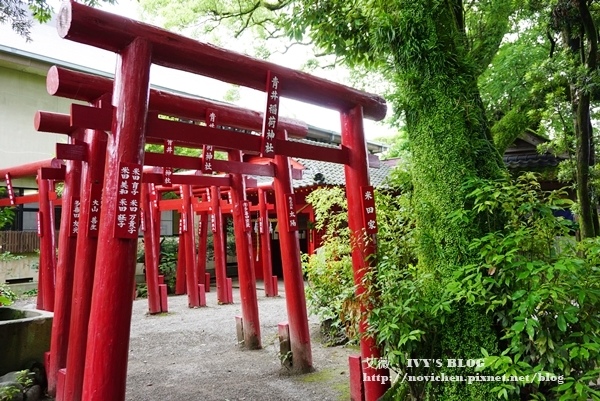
21 14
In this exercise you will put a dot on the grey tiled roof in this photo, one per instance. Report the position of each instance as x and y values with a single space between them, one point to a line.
529 161
333 174
330 173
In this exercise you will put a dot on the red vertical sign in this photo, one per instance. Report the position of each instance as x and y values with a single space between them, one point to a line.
368 204
168 171
247 219
75 212
153 195
213 223
271 116
292 219
128 200
184 221
95 201
39 224
208 152
9 188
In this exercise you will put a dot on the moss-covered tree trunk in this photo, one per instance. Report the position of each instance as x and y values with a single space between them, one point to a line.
450 143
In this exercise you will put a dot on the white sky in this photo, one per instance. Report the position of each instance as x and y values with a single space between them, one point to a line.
46 42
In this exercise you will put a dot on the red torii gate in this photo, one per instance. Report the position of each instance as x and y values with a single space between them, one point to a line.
46 172
139 45
54 122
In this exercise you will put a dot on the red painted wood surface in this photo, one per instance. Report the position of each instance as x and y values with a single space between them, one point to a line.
357 176
264 233
110 315
91 117
196 135
76 151
190 246
57 123
19 200
128 200
357 390
243 245
220 257
92 174
201 295
29 169
181 179
56 174
270 121
151 256
202 239
164 305
47 249
65 273
194 163
180 278
81 86
295 298
313 152
111 32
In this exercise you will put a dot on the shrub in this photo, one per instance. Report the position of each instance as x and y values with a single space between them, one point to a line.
330 288
7 296
539 290
168 261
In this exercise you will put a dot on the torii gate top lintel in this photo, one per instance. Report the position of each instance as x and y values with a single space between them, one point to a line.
111 32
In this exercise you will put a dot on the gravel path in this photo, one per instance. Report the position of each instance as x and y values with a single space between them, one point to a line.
192 354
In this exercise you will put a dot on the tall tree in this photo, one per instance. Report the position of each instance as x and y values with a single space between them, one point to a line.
579 36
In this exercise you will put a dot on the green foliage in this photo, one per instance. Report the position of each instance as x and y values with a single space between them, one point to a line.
9 256
9 393
540 286
528 302
16 13
168 261
7 214
30 293
398 146
7 296
330 282
24 377
141 290
12 392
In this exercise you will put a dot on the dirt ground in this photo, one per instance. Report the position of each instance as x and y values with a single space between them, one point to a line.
192 354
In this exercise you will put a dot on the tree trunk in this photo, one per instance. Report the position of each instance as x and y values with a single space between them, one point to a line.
450 143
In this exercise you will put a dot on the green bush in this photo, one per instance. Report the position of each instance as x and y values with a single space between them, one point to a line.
7 296
168 261
538 289
330 288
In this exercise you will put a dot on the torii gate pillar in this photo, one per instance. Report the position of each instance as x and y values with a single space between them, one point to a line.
47 249
110 315
295 298
65 272
265 244
243 242
85 258
357 177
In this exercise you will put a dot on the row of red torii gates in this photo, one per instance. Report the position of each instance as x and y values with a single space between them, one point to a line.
107 187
